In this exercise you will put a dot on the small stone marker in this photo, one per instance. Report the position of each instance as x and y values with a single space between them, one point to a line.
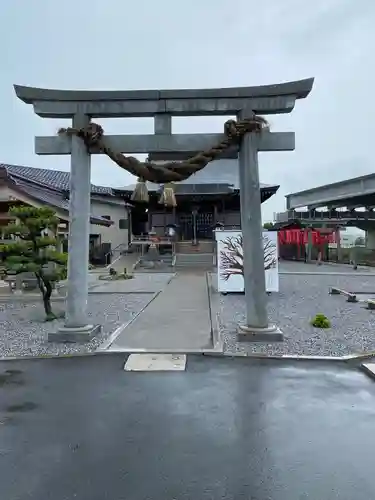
155 363
351 297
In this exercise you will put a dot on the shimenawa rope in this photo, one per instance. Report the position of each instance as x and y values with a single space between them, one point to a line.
167 173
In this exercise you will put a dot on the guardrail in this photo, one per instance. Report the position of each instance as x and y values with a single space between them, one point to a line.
115 252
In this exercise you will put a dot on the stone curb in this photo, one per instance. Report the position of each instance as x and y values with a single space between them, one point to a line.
360 267
295 357
284 357
208 352
327 273
140 350
28 298
364 356
50 356
216 336
318 273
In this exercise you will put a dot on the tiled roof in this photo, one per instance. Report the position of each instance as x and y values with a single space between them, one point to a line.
218 177
54 179
43 194
53 198
45 188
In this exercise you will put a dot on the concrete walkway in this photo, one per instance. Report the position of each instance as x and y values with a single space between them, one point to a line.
177 320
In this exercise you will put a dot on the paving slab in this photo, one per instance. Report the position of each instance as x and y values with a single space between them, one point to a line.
177 319
155 363
369 368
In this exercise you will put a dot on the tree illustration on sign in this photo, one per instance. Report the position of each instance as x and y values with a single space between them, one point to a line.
231 256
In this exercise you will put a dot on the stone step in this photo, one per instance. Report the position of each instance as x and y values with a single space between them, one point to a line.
191 260
161 261
188 248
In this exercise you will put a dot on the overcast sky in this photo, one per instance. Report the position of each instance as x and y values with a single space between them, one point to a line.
149 44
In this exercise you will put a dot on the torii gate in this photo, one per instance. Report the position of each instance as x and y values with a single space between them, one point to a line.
243 102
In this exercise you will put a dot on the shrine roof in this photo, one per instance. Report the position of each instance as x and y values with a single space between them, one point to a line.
220 176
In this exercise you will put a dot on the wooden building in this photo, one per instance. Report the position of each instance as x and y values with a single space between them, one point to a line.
207 198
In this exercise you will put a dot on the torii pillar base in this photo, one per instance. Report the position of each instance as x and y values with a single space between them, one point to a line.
74 334
270 333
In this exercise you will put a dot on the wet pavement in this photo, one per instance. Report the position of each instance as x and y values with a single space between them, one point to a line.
83 429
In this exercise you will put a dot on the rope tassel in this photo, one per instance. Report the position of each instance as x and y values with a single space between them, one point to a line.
140 192
168 198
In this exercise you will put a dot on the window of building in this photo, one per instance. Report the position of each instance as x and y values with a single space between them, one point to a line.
123 224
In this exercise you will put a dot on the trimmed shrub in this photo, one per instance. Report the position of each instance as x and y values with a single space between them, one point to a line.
320 321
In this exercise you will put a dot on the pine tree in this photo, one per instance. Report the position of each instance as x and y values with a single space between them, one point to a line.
34 251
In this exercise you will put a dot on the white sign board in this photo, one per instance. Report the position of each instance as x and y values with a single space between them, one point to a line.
230 261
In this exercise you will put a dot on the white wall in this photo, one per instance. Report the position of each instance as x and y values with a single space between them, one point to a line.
370 239
115 208
7 194
100 205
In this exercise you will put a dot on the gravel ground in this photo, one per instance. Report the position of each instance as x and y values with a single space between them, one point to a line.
327 267
300 298
24 333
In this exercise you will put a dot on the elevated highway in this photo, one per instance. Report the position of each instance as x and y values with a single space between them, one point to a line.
351 193
364 220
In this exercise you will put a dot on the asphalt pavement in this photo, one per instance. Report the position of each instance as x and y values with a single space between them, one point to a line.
84 429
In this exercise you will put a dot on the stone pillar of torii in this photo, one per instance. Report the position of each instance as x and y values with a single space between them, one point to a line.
81 106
